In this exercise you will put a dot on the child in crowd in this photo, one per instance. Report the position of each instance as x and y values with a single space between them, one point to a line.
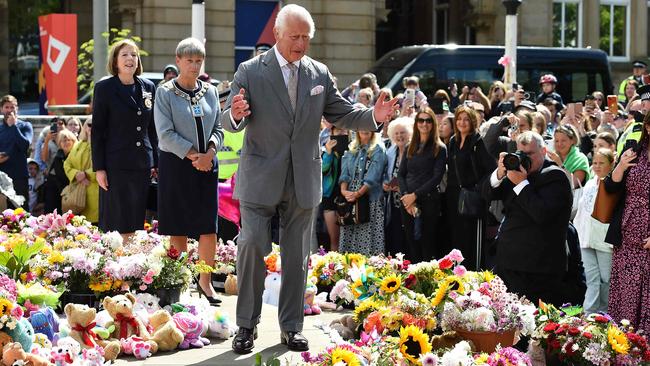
35 184
548 83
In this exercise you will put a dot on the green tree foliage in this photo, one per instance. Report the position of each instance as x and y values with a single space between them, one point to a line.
85 62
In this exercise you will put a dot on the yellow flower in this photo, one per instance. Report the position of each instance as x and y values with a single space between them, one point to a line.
364 308
346 356
482 359
440 294
391 284
354 287
46 250
19 211
439 274
455 284
355 259
488 276
413 343
56 257
100 285
80 237
5 307
617 340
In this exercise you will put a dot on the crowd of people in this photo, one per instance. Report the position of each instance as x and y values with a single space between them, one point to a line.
509 179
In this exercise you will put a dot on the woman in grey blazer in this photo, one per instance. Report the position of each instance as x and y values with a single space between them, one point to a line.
187 121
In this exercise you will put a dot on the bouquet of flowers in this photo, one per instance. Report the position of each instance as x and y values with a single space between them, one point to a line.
574 338
328 268
167 268
13 221
226 257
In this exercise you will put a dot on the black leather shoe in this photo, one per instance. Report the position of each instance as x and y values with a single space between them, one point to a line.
295 341
243 341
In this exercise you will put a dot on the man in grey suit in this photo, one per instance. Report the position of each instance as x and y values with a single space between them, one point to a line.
280 96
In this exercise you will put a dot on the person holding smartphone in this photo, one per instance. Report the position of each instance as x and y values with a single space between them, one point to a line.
335 147
15 138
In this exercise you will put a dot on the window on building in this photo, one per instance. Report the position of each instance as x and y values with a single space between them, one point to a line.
440 21
567 22
614 28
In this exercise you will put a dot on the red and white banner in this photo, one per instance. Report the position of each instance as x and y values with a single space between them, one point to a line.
58 34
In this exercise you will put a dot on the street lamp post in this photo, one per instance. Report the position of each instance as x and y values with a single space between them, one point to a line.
511 40
100 46
198 23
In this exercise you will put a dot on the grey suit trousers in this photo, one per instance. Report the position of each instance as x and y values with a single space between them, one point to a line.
296 226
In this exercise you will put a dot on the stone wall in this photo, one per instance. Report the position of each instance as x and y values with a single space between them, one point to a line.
4 47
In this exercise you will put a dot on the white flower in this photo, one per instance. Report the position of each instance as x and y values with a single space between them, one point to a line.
429 359
625 322
458 356
113 240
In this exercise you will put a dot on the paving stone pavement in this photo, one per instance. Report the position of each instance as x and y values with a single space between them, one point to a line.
219 352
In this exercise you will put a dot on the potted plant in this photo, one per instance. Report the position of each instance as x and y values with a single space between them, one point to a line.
174 275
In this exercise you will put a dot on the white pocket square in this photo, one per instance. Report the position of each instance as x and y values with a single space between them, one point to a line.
317 90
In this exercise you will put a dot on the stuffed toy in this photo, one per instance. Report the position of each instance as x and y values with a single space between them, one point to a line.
81 319
45 321
23 333
345 326
41 346
71 345
136 346
61 356
192 327
271 294
165 333
120 308
230 286
14 354
219 325
93 356
5 339
311 307
145 305
446 340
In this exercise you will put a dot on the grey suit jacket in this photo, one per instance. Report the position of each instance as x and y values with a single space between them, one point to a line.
277 139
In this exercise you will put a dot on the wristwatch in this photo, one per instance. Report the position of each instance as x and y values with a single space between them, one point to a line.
213 149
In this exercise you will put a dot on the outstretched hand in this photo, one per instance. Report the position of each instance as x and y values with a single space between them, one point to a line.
385 109
239 106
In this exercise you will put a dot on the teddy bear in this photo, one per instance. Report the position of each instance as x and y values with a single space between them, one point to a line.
120 308
93 356
81 319
45 321
70 346
61 356
271 294
165 333
445 340
5 339
145 305
14 354
192 327
311 307
345 326
136 346
230 286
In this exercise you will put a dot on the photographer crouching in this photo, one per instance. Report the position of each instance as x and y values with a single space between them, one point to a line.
531 245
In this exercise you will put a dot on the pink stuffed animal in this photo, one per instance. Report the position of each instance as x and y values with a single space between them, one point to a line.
136 346
93 356
311 308
192 327
61 356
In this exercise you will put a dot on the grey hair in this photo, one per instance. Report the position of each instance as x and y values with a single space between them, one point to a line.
526 138
190 47
297 11
403 122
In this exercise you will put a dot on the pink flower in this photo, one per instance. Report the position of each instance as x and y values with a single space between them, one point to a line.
148 278
505 61
143 287
460 271
456 256
17 312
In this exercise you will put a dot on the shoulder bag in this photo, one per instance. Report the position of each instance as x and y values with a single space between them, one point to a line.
605 204
73 196
470 202
357 212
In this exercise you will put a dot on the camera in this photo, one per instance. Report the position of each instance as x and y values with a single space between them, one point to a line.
512 161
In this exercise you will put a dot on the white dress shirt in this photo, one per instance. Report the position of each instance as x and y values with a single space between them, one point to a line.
496 182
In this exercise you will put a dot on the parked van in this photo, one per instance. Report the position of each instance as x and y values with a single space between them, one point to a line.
579 71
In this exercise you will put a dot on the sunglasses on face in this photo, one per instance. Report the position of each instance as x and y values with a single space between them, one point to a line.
424 120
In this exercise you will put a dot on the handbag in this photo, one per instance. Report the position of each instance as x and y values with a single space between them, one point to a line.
357 212
73 198
470 202
605 204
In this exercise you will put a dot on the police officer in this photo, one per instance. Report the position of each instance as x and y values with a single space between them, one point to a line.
633 131
639 68
124 142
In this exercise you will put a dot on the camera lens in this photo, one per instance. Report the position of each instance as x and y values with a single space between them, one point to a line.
511 161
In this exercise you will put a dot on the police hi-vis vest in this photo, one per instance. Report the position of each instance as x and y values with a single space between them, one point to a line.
228 154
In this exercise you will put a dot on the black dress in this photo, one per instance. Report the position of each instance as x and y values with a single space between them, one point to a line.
464 229
187 197
56 181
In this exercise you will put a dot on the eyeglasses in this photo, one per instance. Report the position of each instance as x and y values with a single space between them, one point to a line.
424 120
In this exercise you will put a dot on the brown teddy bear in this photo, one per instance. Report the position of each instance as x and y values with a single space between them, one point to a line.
165 333
82 321
445 340
120 308
346 326
4 339
12 353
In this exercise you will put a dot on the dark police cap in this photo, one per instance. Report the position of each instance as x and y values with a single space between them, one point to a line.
644 92
639 63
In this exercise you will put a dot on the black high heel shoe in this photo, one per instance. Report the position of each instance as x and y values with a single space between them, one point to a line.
212 300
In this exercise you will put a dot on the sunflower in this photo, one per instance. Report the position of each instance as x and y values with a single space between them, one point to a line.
5 307
440 294
56 257
455 284
364 308
355 259
346 356
617 340
413 343
391 284
357 288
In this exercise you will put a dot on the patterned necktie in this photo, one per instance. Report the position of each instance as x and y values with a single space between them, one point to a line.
292 85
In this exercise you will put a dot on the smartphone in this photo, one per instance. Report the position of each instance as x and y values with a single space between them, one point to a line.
409 97
632 144
550 146
578 109
612 104
571 110
54 128
515 86
342 143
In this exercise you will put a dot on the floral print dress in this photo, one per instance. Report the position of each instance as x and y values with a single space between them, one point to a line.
629 294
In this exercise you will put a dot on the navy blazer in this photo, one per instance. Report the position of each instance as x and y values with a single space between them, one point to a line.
123 133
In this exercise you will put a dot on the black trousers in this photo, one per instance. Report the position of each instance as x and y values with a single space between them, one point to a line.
21 187
394 232
425 248
535 286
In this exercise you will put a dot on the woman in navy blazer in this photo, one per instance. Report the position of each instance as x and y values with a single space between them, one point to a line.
124 142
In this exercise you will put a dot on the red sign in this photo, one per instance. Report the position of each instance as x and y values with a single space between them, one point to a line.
59 53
